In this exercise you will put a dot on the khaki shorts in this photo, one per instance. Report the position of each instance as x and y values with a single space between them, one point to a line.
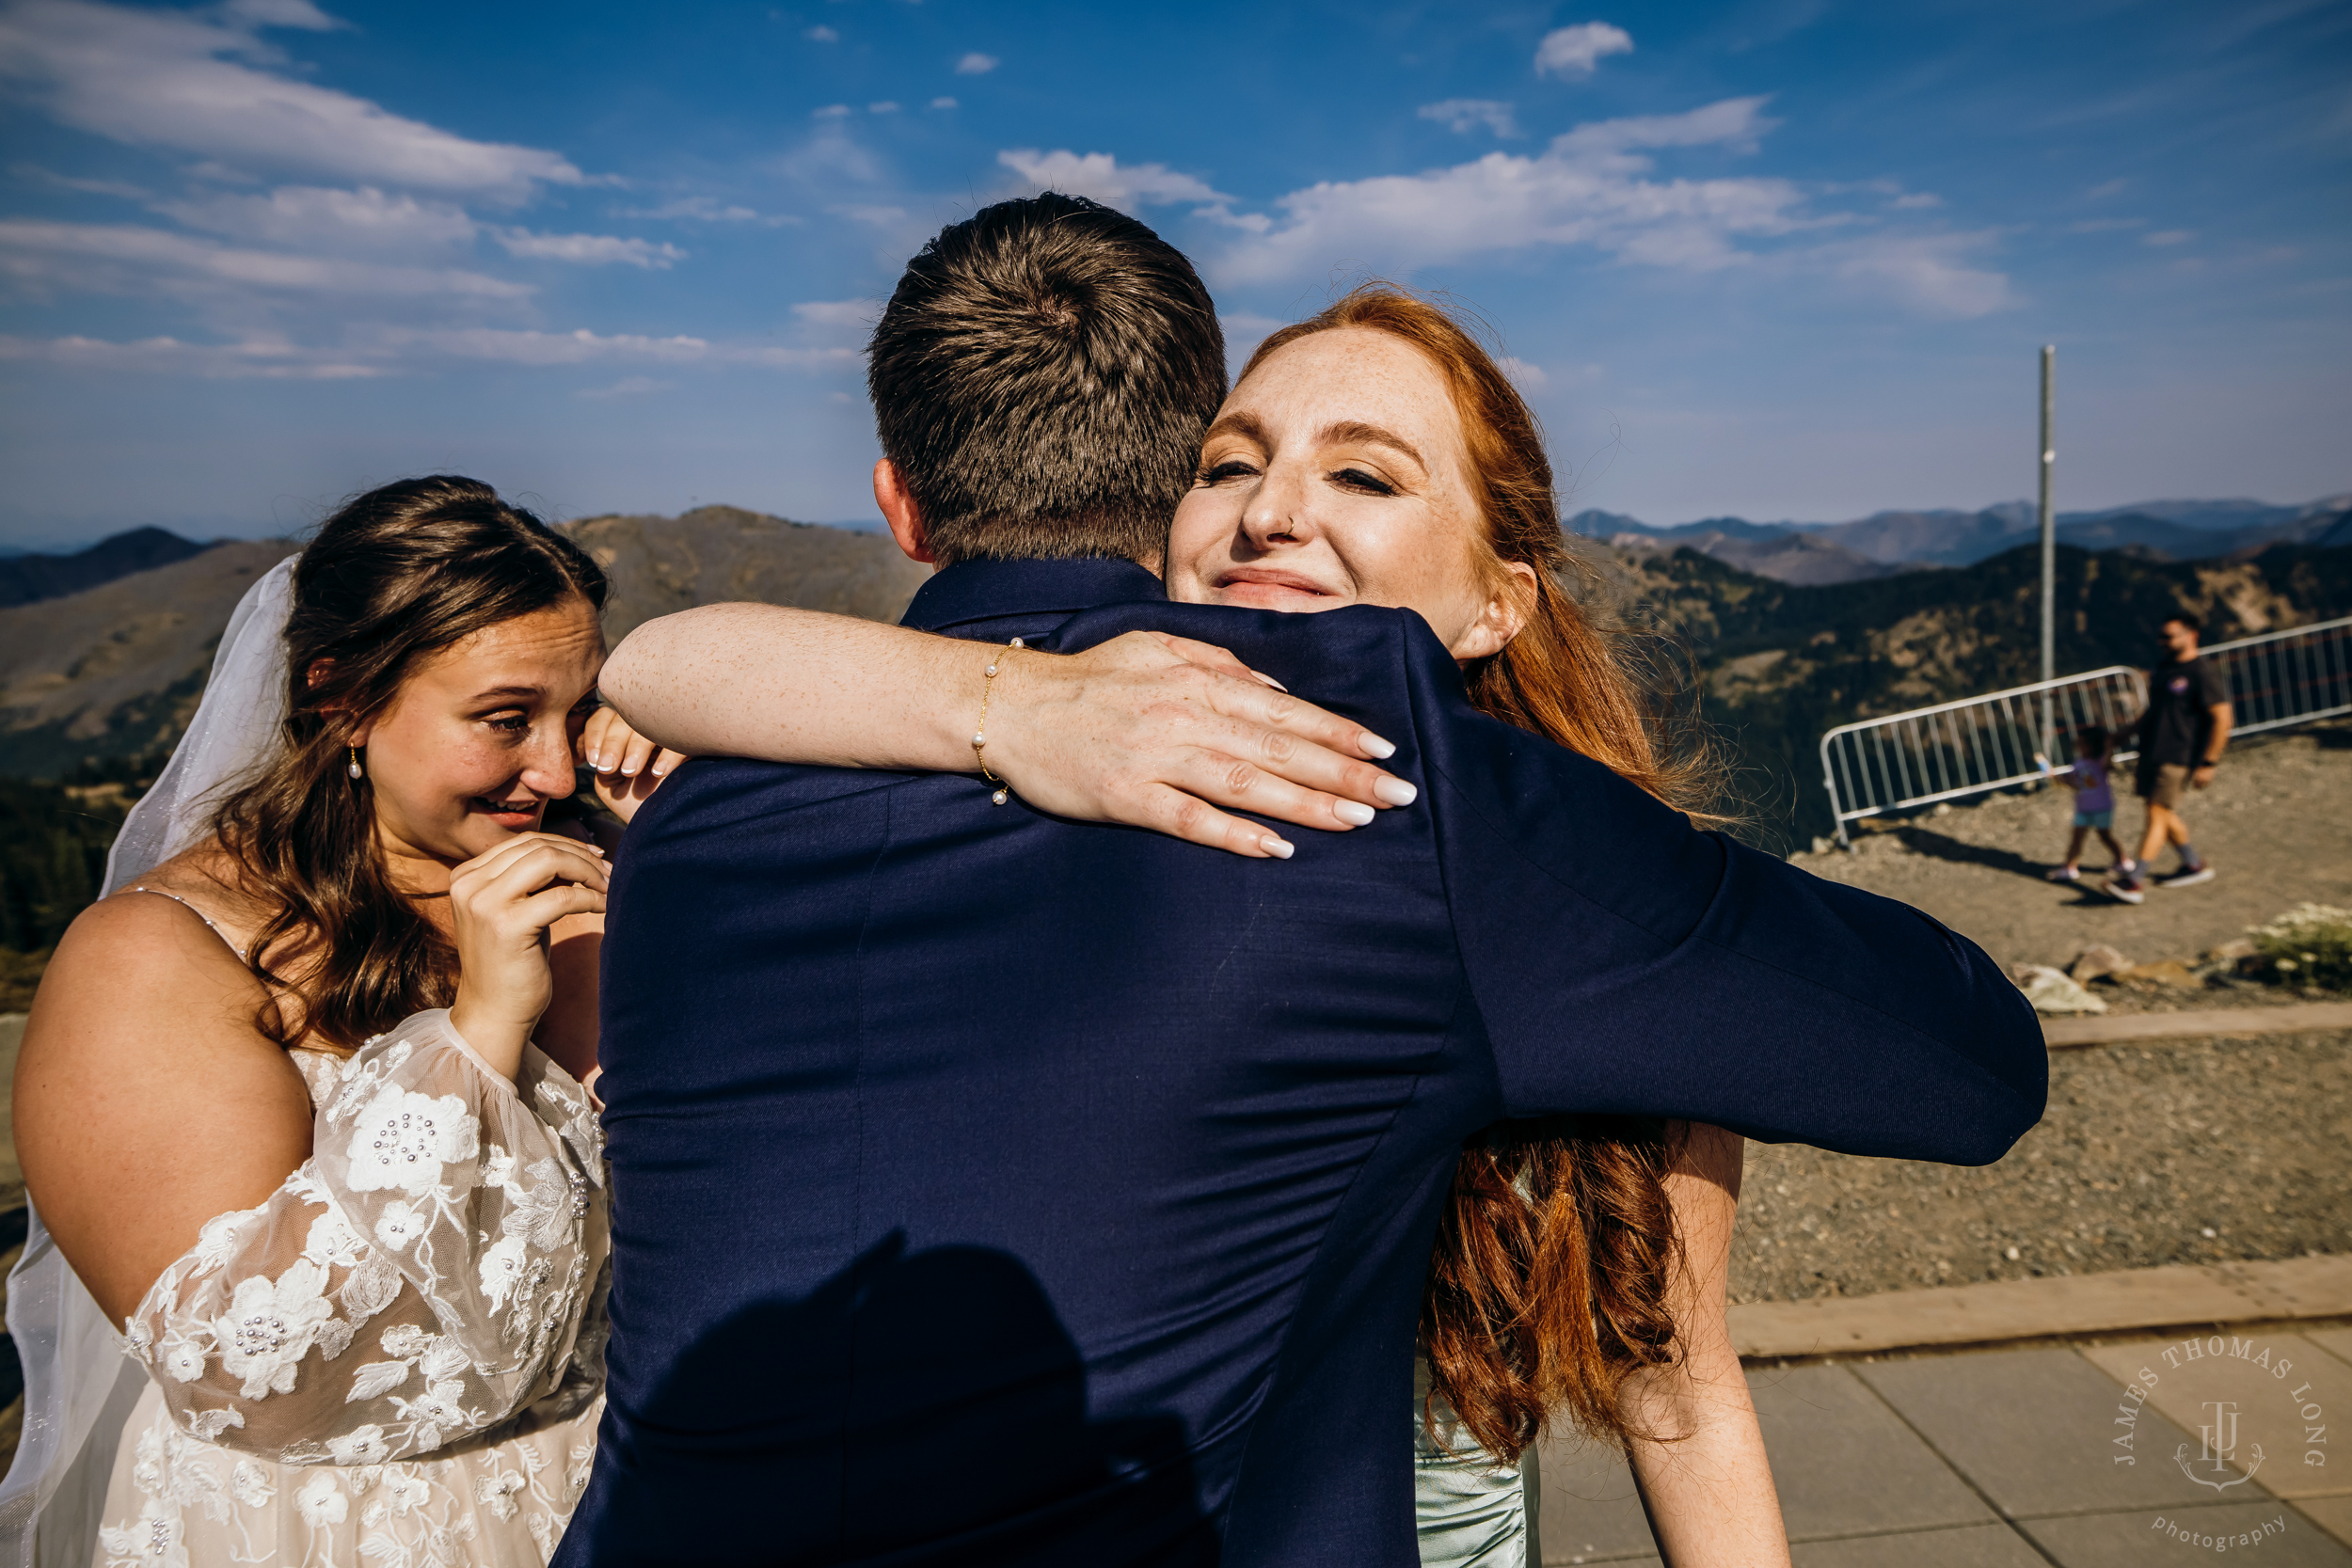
2164 784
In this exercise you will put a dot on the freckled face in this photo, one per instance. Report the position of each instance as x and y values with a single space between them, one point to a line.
1335 474
479 739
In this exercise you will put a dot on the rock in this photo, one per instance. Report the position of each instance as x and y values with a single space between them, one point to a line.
2050 991
2096 961
2166 971
1824 846
1943 808
2231 952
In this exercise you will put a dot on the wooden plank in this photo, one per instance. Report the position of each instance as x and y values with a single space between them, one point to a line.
2113 1028
2128 1299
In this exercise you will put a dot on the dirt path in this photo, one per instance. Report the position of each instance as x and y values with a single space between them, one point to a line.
2277 826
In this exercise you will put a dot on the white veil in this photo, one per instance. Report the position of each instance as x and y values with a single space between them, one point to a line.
79 1386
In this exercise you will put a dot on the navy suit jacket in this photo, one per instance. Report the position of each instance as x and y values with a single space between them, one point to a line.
993 1188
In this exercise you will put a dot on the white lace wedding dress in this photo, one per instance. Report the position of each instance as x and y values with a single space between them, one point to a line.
397 1360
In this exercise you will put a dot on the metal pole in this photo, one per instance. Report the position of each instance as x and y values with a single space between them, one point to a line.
2049 546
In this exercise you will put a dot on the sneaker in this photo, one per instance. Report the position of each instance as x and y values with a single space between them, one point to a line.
2126 889
2186 878
2064 874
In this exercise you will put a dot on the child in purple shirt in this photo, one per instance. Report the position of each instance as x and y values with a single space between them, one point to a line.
2094 803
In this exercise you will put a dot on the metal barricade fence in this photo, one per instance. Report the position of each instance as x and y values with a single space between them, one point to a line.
1984 743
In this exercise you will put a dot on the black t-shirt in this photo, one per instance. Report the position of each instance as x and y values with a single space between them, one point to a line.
2179 721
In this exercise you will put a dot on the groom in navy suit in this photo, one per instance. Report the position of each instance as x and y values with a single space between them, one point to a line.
991 1188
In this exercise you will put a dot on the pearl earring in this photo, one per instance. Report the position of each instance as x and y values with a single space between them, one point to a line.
353 768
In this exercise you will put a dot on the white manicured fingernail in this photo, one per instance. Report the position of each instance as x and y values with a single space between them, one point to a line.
1272 682
1374 744
1278 849
1396 792
1353 812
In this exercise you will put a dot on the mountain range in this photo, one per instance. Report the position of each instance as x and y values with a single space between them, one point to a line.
1886 543
92 680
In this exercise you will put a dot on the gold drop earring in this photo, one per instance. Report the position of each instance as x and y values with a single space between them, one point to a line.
353 768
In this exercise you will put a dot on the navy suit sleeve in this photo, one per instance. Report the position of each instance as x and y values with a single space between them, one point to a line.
1624 962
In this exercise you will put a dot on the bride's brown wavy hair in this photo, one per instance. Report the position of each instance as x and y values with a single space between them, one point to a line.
391 579
1551 1282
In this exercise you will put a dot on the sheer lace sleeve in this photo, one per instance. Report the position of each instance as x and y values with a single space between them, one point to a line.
422 1277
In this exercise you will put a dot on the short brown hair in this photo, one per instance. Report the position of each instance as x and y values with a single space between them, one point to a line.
1042 379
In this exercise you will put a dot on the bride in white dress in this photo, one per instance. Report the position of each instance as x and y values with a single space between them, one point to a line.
301 1103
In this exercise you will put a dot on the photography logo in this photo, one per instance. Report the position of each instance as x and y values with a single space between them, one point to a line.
2211 1465
2236 1394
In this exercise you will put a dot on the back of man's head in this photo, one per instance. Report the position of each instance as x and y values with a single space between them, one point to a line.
1042 379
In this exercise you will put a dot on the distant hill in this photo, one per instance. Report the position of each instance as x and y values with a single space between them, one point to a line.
659 566
115 670
26 578
1899 541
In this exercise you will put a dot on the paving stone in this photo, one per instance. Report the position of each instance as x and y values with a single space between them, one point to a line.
1590 1512
2225 1388
2036 1430
1970 1546
2333 1515
2135 1539
1845 1465
2335 1342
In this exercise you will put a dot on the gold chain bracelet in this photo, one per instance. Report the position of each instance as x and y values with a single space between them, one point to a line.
979 734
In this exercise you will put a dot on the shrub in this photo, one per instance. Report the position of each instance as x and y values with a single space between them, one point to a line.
2309 945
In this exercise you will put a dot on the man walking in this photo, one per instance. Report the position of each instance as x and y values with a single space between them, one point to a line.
991 1188
2181 733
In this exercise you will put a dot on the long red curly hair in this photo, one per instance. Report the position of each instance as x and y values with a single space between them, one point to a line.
1550 1284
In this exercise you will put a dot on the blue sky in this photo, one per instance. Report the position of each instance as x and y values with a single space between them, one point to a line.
1772 258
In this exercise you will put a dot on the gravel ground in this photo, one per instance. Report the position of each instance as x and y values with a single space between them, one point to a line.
2189 1152
2274 826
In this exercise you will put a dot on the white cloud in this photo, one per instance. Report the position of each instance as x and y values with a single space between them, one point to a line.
1527 377
831 111
1912 199
700 209
1104 177
255 358
588 250
1573 52
943 103
885 107
280 13
124 257
822 35
2102 226
627 386
161 79
977 64
1585 189
1737 124
1463 115
70 183
316 217
1595 187
2169 237
839 313
1927 273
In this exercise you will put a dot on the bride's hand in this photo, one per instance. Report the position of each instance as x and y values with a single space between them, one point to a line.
1158 732
627 767
501 906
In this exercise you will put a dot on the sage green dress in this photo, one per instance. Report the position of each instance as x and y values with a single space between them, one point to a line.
1469 1510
